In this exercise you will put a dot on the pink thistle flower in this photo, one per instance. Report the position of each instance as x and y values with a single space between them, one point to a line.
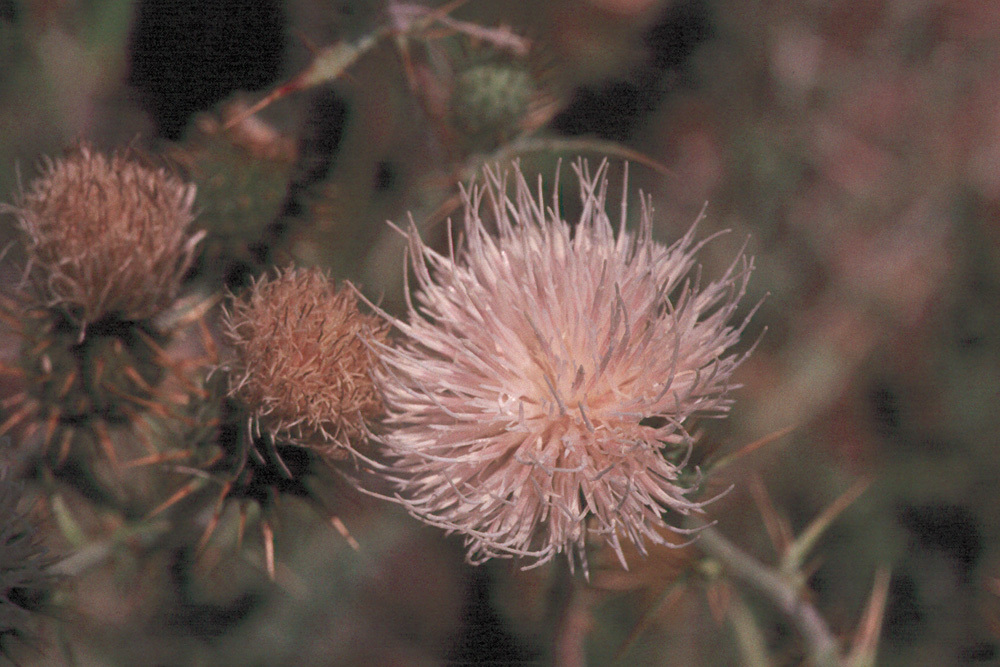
540 390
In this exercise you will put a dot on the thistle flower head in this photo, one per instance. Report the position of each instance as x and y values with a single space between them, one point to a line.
106 235
304 358
545 374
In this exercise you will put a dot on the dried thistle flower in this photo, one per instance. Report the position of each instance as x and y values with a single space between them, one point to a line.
304 359
106 235
541 388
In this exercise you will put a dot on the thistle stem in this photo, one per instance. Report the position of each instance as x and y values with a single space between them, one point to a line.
803 615
569 617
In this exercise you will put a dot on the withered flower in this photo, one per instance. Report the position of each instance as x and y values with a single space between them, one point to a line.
544 377
106 235
107 241
304 354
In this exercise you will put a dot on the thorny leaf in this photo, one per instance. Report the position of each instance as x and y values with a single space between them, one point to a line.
865 646
798 550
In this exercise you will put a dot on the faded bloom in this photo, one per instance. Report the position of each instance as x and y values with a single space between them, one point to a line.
540 391
304 359
106 235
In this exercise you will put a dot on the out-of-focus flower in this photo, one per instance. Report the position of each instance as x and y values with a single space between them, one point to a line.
540 390
490 102
106 235
25 582
304 359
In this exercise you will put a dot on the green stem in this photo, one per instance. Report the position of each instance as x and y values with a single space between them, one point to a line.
803 615
753 647
569 618
96 553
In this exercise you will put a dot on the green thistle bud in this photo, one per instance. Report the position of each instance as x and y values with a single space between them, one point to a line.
490 101
242 177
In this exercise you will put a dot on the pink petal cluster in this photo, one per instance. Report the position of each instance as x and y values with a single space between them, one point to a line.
539 393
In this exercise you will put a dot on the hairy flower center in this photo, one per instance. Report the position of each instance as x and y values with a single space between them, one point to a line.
564 391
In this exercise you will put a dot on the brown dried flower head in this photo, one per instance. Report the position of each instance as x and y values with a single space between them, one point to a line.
541 388
106 235
304 359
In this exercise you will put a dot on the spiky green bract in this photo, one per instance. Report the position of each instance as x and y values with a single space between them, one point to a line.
108 375
25 580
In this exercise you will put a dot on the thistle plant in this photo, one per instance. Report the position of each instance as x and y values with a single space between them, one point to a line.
297 395
545 376
107 240
537 387
490 101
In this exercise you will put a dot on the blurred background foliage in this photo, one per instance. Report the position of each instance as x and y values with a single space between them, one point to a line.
857 145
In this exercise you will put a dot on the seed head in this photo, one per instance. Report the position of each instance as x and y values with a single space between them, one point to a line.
106 235
304 359
544 379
